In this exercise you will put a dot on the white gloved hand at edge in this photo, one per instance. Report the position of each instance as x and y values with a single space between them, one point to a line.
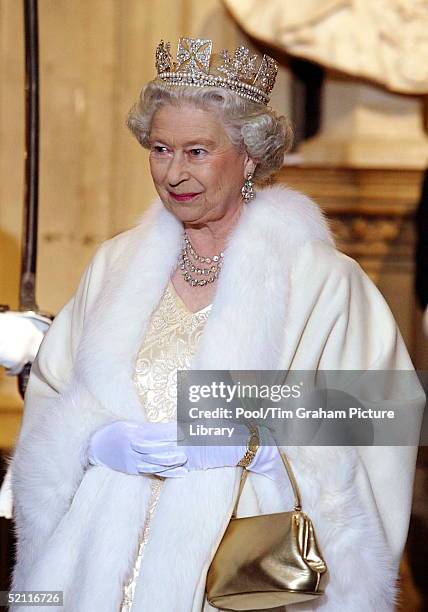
20 339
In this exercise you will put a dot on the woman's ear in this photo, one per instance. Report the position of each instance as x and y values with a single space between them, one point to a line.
249 166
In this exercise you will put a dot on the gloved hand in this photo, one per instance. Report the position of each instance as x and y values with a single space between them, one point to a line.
6 498
20 338
138 448
267 460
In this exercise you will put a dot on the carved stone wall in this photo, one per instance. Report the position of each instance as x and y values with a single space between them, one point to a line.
382 40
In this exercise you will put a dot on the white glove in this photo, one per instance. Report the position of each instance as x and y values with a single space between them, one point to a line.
151 448
20 339
137 448
267 460
6 499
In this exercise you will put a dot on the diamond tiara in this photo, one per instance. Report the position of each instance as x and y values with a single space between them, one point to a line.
245 74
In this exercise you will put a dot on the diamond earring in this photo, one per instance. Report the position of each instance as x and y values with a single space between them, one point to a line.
247 190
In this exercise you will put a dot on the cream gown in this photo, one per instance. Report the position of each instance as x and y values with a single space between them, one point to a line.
168 346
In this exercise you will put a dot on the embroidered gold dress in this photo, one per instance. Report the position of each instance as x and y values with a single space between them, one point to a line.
168 346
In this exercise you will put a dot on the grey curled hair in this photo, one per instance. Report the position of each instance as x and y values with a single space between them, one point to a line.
264 134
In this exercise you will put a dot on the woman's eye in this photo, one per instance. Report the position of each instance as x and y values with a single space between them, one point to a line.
197 152
159 149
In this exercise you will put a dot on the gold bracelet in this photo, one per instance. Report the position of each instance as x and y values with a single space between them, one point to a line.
252 447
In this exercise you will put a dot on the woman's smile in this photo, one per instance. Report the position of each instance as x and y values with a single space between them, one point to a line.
183 197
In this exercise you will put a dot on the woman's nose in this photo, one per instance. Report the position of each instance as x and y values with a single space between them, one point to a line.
177 171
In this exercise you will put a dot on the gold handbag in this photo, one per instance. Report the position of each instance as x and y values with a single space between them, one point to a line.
267 560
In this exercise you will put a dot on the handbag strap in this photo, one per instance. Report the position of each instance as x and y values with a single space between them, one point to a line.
290 473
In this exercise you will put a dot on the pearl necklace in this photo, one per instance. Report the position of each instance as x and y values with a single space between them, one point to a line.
189 268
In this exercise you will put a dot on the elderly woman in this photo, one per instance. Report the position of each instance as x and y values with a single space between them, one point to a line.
109 508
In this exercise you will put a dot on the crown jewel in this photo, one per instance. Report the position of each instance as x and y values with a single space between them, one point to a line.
248 75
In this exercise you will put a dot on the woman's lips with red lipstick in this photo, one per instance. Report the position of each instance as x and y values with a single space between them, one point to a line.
183 197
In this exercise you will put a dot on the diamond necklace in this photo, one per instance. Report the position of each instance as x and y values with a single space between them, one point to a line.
189 269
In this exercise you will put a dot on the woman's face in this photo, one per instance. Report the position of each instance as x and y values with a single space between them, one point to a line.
197 171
